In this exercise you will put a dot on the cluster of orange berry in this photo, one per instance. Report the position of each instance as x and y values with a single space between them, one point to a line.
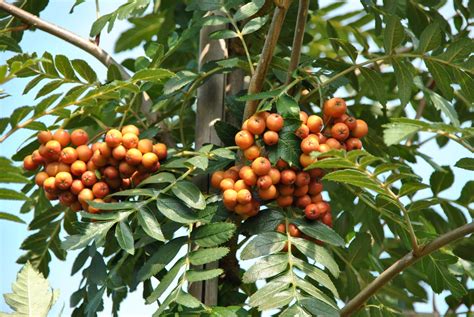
76 173
245 187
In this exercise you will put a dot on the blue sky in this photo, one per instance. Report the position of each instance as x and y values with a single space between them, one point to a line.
12 234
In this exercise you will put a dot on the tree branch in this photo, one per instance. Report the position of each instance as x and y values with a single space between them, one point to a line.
257 80
354 304
88 46
303 8
63 34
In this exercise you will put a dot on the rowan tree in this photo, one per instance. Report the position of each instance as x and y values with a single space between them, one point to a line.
258 158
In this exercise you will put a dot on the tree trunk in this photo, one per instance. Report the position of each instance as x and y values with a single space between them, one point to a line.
210 107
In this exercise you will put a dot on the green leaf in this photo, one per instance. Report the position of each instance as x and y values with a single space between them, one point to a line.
10 217
187 300
288 147
288 108
430 38
316 274
200 162
125 237
9 44
144 28
394 133
178 81
64 66
9 177
162 257
114 206
152 75
359 248
9 194
84 70
204 256
161 178
269 290
404 80
150 225
315 292
263 244
442 78
165 282
249 9
254 25
376 83
439 276
195 275
213 234
318 308
318 253
93 232
214 20
19 114
189 194
174 210
266 267
331 162
319 231
394 33
261 95
466 163
223 34
441 180
444 106
355 178
226 132
32 295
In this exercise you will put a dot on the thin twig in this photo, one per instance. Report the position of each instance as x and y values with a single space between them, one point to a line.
257 80
354 304
298 38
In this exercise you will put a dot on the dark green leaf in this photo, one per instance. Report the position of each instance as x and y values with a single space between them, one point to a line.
203 256
319 231
223 34
263 244
266 267
149 224
10 194
10 217
254 25
125 237
376 83
430 38
404 80
213 234
175 210
163 256
153 75
249 9
84 70
394 33
288 107
441 180
466 163
318 253
443 81
64 66
195 275
189 194
226 132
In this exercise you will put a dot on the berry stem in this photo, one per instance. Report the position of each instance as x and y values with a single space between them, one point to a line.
258 79
303 8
